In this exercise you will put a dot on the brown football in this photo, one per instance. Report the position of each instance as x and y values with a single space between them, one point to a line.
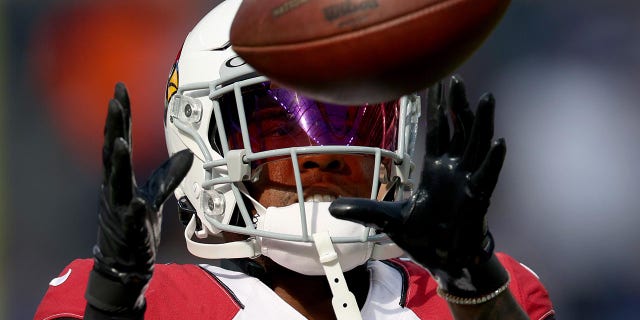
356 51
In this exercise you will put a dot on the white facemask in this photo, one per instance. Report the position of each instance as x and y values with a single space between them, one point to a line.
302 257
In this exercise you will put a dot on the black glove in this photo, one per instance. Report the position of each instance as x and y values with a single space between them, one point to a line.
129 219
443 226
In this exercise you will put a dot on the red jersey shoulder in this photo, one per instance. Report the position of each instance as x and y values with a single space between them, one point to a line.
526 287
421 297
65 295
175 292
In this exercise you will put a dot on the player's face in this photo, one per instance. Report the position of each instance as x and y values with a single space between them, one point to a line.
324 176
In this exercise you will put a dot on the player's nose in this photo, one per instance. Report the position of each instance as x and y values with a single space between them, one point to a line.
322 162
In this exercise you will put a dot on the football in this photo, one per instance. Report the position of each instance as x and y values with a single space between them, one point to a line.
359 51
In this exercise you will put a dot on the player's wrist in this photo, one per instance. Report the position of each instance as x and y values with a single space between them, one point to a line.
126 272
481 279
474 284
116 292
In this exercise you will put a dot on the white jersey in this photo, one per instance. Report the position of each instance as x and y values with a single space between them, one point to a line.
383 301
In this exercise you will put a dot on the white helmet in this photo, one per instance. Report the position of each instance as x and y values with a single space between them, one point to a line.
238 124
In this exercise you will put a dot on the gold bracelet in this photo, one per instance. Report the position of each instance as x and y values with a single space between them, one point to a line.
472 301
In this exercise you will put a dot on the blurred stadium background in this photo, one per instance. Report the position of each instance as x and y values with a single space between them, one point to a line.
565 74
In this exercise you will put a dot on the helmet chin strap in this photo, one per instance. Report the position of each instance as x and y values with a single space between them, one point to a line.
229 250
344 302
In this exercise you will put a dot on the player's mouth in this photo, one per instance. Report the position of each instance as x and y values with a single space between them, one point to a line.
319 198
322 193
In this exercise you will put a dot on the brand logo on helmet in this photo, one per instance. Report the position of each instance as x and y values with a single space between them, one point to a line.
235 62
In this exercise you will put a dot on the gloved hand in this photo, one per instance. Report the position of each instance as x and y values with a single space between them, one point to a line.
129 219
443 226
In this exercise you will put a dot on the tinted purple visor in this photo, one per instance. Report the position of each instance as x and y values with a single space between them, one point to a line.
280 118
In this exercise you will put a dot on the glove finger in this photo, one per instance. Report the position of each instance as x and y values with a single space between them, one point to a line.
485 179
121 181
167 177
435 101
437 134
435 97
481 134
383 216
121 95
461 115
113 129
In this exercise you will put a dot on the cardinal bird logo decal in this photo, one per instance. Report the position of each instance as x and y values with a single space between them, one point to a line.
172 85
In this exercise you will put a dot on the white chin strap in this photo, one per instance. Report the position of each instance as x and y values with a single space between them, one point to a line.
344 302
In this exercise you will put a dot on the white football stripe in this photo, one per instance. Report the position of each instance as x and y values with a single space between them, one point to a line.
60 280
529 269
